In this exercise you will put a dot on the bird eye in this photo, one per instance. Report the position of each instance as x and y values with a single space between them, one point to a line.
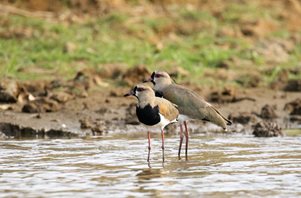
158 75
140 89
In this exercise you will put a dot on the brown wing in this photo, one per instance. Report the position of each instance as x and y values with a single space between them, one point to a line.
193 105
167 109
212 115
189 103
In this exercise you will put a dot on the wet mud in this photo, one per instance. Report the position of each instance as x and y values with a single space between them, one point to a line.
91 104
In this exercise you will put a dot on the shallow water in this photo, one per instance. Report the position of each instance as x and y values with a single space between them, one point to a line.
115 166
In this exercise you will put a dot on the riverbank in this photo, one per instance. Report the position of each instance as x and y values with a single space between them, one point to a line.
89 105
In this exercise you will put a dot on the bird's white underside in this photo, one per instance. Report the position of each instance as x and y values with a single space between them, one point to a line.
182 118
161 125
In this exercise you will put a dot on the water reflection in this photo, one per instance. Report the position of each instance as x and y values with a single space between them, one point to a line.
113 166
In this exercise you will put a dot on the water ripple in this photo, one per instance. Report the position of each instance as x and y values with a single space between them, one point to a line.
218 166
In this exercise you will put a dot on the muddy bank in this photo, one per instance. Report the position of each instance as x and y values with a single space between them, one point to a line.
90 105
17 131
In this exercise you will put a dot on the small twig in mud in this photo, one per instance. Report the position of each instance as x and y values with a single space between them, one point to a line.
243 98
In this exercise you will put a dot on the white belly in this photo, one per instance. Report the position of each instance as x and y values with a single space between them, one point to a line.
161 125
183 118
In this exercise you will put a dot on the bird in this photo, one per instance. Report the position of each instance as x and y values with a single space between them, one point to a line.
190 105
153 111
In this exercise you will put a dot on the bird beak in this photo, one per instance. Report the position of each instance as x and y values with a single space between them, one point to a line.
131 93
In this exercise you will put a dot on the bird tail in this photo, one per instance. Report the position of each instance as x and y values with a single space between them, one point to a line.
217 118
227 120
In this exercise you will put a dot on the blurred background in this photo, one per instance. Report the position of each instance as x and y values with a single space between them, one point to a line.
66 64
243 43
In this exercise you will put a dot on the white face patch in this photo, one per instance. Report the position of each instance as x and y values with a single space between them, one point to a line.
158 83
138 90
161 80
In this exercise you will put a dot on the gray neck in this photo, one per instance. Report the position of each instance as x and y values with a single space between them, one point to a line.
160 87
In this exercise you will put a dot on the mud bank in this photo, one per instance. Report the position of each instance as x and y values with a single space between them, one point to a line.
91 105
16 131
101 114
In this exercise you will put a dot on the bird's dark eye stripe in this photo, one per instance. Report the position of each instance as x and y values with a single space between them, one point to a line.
158 75
140 89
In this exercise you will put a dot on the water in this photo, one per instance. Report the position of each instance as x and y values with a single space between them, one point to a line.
115 166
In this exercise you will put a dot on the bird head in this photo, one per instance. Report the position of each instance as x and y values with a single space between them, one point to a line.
160 80
140 91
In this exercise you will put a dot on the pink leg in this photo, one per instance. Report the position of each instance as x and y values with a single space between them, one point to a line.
187 139
162 136
181 141
149 146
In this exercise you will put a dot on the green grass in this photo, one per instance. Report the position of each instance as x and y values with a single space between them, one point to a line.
190 40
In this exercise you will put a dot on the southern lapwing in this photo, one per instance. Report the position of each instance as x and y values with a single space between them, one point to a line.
190 104
153 111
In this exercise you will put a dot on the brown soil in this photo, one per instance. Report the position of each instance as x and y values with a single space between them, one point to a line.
267 129
87 105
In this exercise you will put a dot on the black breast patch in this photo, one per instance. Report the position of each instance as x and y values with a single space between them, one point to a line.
148 115
159 94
